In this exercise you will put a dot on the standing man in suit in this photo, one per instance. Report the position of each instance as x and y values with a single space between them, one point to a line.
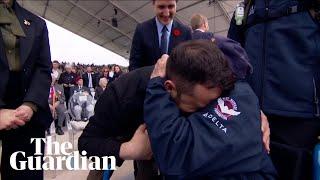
157 36
25 68
89 78
56 71
68 80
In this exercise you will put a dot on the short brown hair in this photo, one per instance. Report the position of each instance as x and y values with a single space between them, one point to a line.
197 20
155 0
199 62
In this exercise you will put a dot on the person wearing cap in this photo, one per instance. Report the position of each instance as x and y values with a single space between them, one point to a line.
25 68
158 35
76 93
116 128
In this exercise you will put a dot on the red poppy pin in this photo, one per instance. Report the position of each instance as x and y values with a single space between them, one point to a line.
176 32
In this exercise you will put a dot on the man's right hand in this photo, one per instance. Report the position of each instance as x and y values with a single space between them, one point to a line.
138 148
8 120
160 67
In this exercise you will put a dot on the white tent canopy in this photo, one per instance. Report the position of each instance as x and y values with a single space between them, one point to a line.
92 19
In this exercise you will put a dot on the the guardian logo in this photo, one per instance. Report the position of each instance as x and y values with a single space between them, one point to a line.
59 158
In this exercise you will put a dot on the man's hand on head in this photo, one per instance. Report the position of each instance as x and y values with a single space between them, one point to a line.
160 67
138 148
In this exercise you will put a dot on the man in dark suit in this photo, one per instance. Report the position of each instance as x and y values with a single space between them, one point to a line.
25 68
68 80
89 78
200 27
157 36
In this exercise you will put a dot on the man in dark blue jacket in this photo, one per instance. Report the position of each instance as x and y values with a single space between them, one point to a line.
202 124
113 130
282 39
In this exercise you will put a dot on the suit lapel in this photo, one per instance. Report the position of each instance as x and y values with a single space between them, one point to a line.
155 38
3 57
26 43
172 38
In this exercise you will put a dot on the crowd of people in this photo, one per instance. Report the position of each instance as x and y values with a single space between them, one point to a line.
74 81
194 105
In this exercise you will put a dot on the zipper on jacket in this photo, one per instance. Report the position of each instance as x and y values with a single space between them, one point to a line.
316 99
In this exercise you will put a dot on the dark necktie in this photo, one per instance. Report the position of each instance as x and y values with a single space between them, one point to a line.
163 45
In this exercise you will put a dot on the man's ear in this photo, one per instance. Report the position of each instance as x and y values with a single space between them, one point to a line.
170 88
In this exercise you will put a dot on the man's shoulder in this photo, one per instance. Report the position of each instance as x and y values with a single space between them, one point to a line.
29 15
140 74
202 35
133 81
147 24
178 24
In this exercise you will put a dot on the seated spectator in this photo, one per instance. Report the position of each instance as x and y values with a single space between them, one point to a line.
79 87
103 82
57 104
82 101
105 73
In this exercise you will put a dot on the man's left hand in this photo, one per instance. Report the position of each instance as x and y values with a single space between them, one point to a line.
265 131
24 113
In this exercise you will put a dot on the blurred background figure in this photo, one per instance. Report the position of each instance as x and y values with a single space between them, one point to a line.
90 78
103 82
105 73
67 80
200 27
57 105
82 101
117 71
56 71
111 74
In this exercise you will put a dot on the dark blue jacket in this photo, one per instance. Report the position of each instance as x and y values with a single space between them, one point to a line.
145 49
202 35
220 141
284 53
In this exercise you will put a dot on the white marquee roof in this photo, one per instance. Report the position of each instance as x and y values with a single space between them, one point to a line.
91 19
